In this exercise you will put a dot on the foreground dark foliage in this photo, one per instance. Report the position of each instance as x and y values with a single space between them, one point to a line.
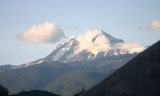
35 93
3 91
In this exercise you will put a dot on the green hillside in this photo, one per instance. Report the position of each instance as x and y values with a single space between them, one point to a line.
74 81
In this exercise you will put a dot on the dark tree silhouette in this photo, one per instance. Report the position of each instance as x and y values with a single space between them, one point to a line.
3 91
35 93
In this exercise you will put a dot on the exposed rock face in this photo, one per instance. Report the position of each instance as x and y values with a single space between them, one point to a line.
139 77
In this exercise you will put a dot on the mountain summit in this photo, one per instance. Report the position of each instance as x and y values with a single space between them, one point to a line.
90 46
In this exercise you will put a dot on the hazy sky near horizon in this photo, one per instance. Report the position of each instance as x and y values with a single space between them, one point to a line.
134 21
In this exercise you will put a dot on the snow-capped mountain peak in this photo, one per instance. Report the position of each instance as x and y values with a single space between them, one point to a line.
98 34
95 41
91 45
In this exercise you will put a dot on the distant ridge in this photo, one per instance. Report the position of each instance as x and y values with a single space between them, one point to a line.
139 77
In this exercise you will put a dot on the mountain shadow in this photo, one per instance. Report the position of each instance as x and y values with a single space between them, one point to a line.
139 77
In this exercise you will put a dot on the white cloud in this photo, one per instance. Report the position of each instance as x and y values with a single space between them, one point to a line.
100 43
154 25
43 33
133 48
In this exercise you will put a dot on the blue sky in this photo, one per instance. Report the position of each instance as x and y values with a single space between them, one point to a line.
125 19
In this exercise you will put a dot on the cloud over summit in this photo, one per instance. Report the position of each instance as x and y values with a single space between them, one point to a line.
46 32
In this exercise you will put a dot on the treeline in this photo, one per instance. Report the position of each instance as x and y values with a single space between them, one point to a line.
4 92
